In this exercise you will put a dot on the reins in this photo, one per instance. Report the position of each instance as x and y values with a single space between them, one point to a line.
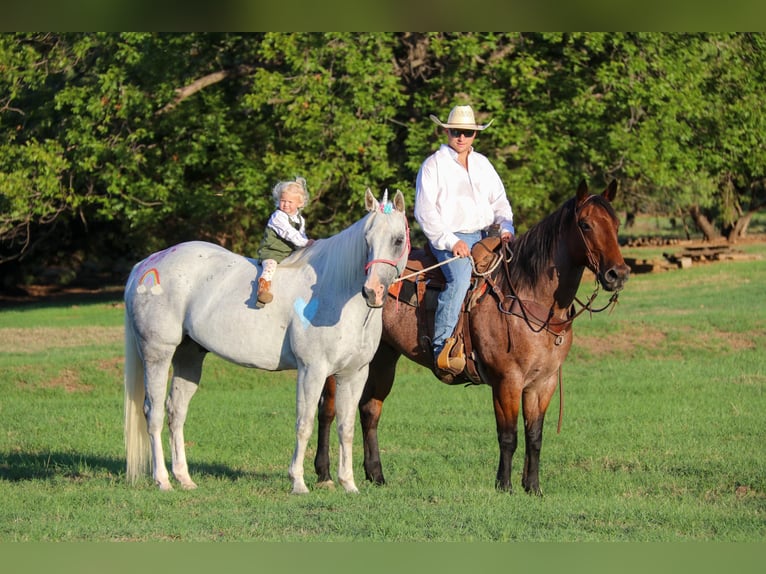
476 272
416 273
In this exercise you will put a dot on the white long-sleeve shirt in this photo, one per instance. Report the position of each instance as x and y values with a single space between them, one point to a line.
285 227
450 199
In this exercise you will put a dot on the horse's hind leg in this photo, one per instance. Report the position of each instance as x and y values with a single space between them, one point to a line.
157 365
187 370
379 382
325 417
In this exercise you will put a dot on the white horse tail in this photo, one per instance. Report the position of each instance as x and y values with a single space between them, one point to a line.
136 435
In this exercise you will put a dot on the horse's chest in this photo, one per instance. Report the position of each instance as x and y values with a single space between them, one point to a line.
348 343
543 359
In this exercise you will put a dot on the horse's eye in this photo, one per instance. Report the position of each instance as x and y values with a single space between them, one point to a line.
583 225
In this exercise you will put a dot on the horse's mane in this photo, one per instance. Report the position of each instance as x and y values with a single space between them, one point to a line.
338 260
533 251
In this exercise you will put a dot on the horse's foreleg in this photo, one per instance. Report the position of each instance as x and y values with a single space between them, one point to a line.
530 478
506 402
535 403
187 371
308 391
349 391
325 418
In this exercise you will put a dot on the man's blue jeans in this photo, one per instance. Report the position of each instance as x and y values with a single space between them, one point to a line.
458 276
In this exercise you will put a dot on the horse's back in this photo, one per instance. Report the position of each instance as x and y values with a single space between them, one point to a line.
162 289
188 260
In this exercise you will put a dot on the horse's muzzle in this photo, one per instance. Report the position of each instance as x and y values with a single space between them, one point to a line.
374 296
614 278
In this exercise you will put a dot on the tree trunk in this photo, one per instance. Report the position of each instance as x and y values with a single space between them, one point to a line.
739 229
708 230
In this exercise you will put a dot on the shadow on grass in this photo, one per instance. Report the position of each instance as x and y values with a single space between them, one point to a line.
63 297
21 466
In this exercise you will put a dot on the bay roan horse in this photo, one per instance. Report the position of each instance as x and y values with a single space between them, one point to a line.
325 320
518 331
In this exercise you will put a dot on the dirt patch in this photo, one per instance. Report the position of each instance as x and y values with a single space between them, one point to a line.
634 337
36 339
69 380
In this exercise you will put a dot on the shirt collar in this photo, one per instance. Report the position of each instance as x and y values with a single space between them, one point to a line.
453 153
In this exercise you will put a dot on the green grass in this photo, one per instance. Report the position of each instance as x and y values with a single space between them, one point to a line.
663 436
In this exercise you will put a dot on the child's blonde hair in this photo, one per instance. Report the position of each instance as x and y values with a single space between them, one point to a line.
296 186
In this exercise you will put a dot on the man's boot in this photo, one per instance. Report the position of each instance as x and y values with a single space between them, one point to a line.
264 293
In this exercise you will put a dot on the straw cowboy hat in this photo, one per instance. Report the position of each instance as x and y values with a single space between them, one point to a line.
460 117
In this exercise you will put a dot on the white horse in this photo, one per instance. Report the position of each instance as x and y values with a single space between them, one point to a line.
325 319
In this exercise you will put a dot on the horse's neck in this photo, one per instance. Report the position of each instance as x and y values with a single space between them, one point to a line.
557 288
338 260
567 280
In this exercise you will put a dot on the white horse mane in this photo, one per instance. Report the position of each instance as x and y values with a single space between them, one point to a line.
338 259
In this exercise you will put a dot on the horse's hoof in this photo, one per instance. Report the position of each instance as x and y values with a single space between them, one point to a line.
350 487
326 485
502 487
165 486
191 485
533 491
300 489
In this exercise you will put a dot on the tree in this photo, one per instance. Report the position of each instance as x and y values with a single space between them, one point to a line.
114 145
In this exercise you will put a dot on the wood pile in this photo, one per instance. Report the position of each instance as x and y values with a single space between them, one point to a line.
691 253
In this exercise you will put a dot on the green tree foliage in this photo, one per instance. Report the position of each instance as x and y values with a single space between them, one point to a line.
113 145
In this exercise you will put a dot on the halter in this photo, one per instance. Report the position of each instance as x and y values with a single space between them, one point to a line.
386 207
596 268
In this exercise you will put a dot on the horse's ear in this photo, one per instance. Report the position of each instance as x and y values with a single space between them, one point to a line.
582 192
370 203
399 201
610 191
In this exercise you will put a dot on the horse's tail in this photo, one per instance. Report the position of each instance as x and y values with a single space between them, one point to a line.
136 435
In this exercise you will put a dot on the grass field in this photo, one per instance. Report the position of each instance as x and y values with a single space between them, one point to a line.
663 436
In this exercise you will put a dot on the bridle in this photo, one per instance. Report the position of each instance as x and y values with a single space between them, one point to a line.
594 262
537 324
595 266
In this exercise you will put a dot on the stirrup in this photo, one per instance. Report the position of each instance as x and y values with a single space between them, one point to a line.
453 365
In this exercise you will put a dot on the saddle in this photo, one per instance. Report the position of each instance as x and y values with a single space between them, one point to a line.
419 288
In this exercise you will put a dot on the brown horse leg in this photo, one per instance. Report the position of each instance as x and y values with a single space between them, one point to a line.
325 416
530 479
379 383
506 404
535 405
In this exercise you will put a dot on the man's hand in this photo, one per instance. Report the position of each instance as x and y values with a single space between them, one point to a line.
460 249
